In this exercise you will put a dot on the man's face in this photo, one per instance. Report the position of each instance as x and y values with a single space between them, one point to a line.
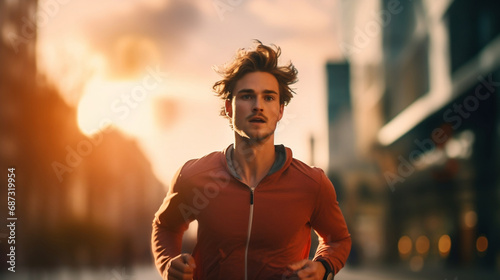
255 107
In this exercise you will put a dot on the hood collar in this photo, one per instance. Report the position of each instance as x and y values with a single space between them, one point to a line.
282 154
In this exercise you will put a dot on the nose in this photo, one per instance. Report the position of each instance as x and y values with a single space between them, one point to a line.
257 105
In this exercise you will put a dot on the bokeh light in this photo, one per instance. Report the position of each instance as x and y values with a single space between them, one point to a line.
422 244
416 263
470 219
482 244
404 246
444 245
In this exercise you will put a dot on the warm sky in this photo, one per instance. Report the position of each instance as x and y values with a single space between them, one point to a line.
147 67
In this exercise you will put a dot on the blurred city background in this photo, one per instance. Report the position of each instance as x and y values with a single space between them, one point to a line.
102 101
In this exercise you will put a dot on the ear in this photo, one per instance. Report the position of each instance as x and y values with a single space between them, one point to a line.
229 108
282 110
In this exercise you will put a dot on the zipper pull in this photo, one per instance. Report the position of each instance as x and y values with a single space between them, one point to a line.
251 197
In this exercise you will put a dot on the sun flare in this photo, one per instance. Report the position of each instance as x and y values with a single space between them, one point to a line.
125 105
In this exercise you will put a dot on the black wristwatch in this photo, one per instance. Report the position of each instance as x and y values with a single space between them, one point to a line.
328 269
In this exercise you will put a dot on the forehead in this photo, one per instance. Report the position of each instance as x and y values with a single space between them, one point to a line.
257 81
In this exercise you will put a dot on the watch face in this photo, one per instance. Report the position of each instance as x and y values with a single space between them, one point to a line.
330 276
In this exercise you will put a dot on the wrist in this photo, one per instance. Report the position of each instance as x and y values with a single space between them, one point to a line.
328 270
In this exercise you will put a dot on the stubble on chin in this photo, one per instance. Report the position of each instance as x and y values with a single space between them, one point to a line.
257 138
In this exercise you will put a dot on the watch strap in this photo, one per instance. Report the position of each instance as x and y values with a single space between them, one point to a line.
328 269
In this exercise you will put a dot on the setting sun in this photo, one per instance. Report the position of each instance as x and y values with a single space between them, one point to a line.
123 104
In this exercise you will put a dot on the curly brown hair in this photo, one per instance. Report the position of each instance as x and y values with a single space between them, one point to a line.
261 59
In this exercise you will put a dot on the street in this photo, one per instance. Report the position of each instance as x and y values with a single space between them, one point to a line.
347 273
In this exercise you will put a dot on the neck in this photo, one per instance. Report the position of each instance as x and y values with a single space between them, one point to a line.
253 160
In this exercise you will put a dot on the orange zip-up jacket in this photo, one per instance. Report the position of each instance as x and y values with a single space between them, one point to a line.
246 233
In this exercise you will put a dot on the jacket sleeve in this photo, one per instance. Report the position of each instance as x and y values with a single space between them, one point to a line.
169 224
328 222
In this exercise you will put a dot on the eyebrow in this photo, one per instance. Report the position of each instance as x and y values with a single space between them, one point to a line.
248 90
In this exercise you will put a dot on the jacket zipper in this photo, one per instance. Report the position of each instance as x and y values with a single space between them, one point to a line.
250 220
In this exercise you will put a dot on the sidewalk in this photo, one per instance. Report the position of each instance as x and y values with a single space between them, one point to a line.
347 273
136 273
397 273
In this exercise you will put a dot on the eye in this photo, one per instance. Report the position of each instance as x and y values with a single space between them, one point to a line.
246 97
269 98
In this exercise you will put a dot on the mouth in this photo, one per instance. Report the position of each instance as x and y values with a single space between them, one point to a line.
257 120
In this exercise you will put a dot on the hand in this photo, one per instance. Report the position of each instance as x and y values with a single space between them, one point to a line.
307 269
181 267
